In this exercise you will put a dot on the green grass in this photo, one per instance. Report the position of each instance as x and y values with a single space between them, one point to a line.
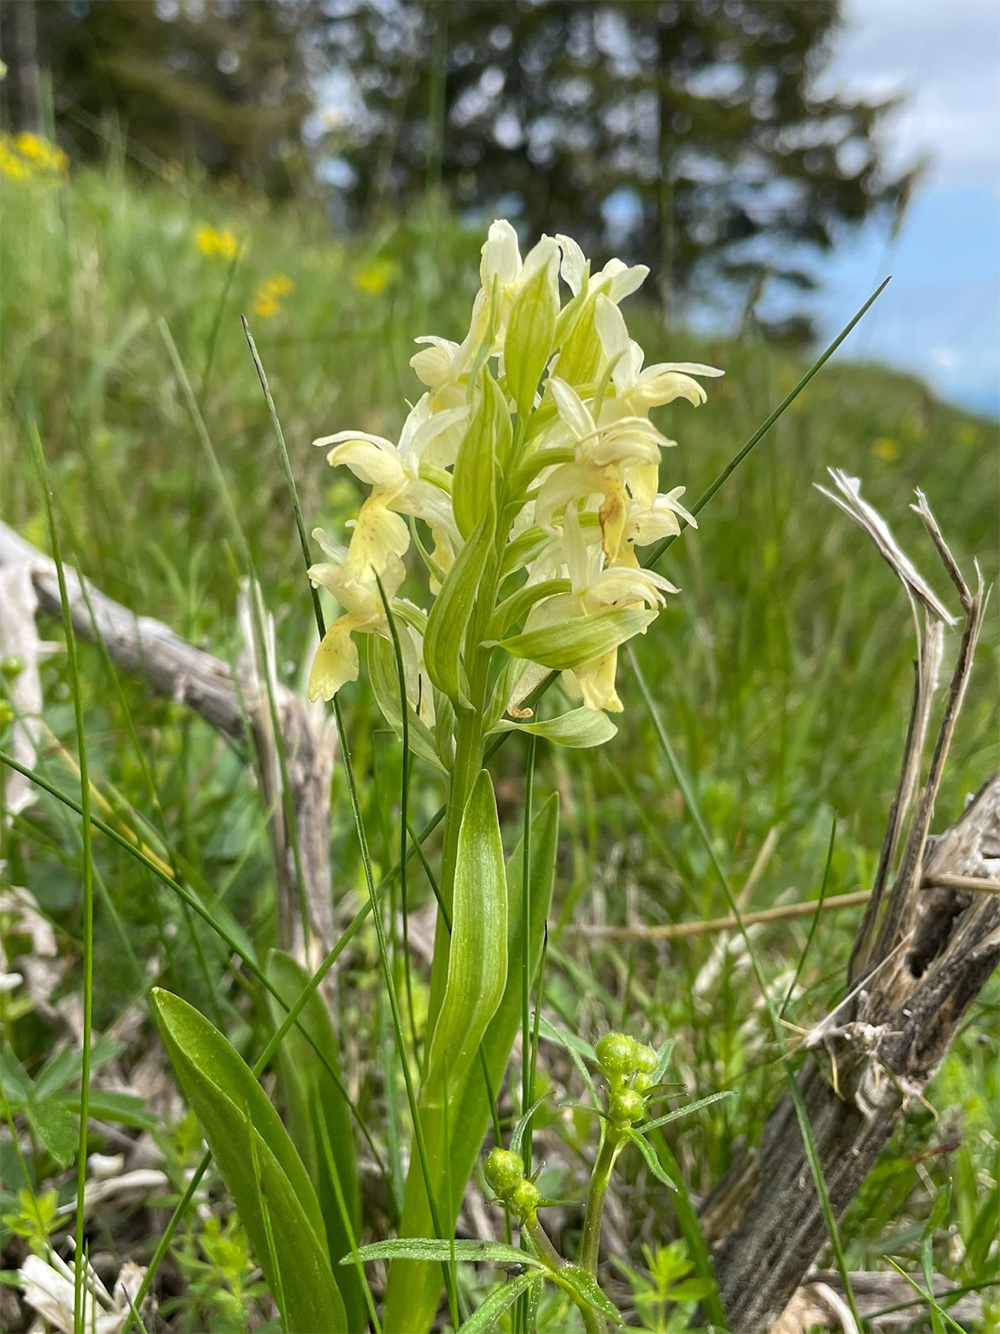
782 673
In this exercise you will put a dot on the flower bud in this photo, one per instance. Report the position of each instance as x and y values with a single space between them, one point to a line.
12 666
504 1172
616 1054
645 1058
627 1105
525 1200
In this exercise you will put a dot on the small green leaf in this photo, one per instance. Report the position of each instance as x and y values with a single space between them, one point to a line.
125 1108
439 1250
531 328
488 1313
579 640
55 1126
276 1203
477 957
452 609
384 678
518 604
585 1286
14 1079
650 1159
687 1109
577 729
487 442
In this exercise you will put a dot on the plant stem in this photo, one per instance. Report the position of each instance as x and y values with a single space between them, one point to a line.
600 1177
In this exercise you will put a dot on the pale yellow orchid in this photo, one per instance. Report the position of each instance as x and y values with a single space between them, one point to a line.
394 471
596 589
637 390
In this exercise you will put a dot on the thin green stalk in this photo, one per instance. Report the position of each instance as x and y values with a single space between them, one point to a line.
769 421
88 881
527 1095
808 1139
404 797
600 1178
814 923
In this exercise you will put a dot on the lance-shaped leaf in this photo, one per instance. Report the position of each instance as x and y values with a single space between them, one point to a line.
532 325
452 609
582 639
486 445
311 1091
454 1135
477 955
578 729
273 1194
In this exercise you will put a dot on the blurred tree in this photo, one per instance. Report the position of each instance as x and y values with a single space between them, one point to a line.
685 133
219 82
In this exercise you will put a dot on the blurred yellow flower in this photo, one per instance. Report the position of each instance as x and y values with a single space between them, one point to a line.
27 154
265 301
377 276
968 435
886 449
216 241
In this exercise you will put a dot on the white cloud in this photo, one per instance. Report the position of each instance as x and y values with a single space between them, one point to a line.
944 56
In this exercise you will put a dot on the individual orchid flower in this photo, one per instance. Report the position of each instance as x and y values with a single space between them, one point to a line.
609 456
638 390
429 440
596 589
336 660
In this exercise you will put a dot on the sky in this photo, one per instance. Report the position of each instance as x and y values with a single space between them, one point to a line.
940 315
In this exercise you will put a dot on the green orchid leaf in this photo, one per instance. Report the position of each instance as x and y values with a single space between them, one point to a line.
477 958
531 330
486 442
311 1090
520 603
579 640
276 1201
454 1135
577 729
452 609
384 678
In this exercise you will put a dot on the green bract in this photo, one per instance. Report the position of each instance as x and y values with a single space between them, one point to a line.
528 476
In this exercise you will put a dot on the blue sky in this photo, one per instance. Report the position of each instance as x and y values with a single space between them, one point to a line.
940 315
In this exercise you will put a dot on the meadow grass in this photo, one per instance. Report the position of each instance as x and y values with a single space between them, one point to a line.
781 675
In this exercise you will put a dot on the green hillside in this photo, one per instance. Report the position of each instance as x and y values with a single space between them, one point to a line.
782 672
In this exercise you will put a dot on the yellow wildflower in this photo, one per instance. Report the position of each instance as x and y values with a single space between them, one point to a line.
28 154
216 241
265 302
886 449
376 277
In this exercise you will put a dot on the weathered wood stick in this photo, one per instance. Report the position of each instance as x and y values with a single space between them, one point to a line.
925 949
299 821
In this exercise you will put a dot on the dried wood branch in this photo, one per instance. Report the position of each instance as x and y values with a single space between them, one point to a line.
924 950
233 702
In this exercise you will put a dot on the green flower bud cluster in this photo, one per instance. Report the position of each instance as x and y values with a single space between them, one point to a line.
505 1174
628 1066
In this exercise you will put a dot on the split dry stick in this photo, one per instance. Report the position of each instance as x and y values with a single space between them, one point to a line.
928 942
233 702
